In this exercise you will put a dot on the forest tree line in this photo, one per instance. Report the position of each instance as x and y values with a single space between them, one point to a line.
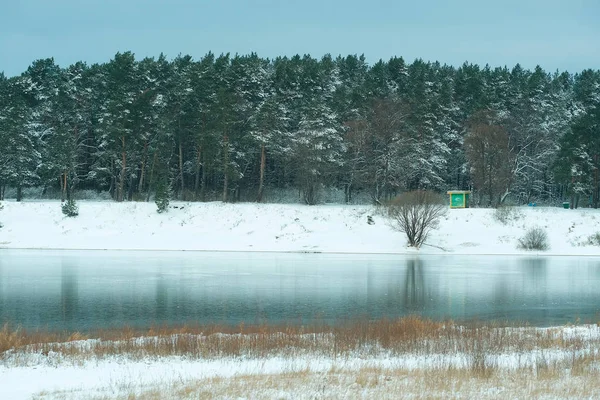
232 128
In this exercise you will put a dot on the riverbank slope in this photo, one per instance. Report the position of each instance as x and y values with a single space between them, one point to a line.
284 227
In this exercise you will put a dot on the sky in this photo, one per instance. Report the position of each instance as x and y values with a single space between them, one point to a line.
557 35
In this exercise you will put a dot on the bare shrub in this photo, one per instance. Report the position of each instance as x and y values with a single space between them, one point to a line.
416 213
593 240
534 239
507 214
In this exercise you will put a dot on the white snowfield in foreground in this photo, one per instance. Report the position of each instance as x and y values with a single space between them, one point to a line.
278 227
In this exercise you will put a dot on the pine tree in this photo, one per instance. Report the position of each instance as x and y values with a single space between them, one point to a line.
206 135
117 119
20 151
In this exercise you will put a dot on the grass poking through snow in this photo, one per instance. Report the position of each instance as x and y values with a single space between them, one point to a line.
370 359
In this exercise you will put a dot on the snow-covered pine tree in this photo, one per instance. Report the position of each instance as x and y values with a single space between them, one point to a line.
205 135
318 142
578 164
117 119
20 144
351 104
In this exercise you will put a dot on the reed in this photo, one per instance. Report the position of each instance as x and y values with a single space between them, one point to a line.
409 335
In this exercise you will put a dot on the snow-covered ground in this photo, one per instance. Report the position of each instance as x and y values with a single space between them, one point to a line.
282 227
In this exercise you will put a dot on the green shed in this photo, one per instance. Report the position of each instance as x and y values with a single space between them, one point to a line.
459 198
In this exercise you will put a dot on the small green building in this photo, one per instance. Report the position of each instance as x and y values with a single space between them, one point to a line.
459 198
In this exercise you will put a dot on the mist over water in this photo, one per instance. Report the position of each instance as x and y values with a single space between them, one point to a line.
88 290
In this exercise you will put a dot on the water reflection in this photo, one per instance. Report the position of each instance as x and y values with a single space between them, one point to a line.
77 291
535 268
68 291
161 307
415 294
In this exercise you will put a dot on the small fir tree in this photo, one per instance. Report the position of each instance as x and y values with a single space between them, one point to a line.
70 208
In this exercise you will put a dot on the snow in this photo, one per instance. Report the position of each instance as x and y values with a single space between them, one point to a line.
221 226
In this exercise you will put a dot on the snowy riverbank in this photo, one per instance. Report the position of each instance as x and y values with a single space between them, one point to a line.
282 227
551 363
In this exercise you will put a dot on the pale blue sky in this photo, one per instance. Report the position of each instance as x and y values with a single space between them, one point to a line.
563 35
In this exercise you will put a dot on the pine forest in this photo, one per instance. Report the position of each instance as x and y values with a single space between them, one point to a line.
236 128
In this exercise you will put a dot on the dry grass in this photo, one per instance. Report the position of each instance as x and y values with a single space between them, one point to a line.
410 335
449 360
380 383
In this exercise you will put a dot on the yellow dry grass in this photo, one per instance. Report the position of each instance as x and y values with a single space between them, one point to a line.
381 384
574 374
410 335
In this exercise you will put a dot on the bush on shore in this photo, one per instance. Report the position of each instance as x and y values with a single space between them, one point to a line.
534 239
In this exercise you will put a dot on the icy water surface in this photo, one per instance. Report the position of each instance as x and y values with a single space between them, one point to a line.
87 290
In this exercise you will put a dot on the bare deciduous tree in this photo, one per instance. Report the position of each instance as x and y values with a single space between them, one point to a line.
378 146
416 213
487 149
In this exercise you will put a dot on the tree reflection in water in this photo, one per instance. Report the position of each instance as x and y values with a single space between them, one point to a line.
536 269
68 291
161 299
415 295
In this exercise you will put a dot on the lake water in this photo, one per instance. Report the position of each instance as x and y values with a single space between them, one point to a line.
86 290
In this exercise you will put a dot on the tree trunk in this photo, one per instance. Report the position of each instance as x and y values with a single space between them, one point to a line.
181 169
203 181
143 168
113 179
596 192
572 193
261 184
130 188
19 192
197 177
68 187
225 166
348 192
151 176
63 186
490 188
123 169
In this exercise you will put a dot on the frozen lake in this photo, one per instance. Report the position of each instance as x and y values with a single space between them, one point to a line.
87 290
